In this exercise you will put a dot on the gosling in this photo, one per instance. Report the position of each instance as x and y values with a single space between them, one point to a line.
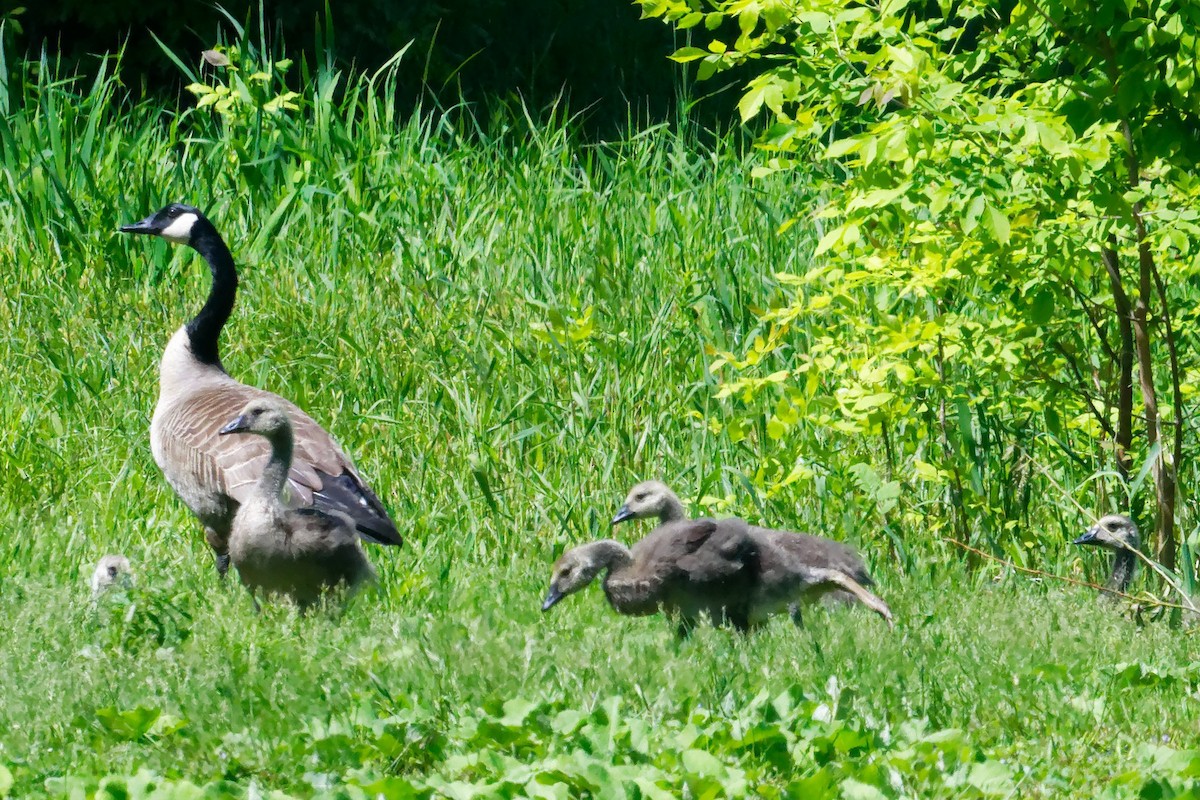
112 570
721 569
298 553
654 499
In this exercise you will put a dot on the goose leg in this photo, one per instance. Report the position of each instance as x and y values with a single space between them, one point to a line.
844 581
685 627
795 613
220 549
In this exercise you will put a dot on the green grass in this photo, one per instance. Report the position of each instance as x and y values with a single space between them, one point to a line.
415 285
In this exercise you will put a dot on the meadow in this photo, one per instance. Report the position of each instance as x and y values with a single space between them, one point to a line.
506 326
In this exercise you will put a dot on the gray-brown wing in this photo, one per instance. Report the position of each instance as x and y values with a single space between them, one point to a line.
726 554
321 475
817 551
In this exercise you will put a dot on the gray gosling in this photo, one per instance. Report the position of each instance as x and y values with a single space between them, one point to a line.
212 474
112 570
702 567
1118 533
654 499
299 553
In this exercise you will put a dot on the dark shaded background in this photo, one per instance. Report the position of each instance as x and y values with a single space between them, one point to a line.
597 54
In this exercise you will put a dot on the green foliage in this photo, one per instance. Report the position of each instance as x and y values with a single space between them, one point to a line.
597 56
978 162
505 329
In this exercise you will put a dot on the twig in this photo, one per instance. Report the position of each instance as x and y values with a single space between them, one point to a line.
1075 581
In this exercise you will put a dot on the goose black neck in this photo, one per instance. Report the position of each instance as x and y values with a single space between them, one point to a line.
1124 562
204 330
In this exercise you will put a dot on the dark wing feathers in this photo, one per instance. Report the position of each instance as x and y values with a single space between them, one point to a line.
321 475
717 551
354 498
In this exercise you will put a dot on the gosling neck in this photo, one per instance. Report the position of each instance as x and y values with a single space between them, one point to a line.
204 330
1124 563
611 554
274 475
672 509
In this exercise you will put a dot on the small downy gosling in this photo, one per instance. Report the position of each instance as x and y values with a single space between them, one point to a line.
653 499
721 569
299 553
112 570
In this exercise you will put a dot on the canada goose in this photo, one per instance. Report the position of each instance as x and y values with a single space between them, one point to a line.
654 499
721 568
110 571
214 474
1119 534
298 552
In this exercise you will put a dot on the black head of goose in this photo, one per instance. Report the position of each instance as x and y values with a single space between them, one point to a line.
298 552
213 474
1118 534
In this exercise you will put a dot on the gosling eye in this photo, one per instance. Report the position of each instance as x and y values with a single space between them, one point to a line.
640 497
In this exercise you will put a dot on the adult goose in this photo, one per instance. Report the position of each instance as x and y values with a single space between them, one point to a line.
213 474
300 553
1118 534
654 499
722 569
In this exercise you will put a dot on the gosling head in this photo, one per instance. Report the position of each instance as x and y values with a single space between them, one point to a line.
113 570
1114 532
176 223
263 416
576 568
647 499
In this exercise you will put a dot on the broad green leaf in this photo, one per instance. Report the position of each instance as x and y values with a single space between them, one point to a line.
685 54
991 778
701 762
997 223
925 471
1041 309
856 790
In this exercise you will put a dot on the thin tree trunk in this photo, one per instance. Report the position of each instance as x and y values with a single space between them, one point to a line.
1176 420
1124 437
1163 468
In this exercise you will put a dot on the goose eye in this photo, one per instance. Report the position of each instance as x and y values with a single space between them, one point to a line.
640 497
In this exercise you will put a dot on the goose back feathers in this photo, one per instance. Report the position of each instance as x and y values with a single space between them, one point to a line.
213 475
297 552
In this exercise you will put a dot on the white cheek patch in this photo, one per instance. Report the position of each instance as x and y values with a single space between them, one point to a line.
180 230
